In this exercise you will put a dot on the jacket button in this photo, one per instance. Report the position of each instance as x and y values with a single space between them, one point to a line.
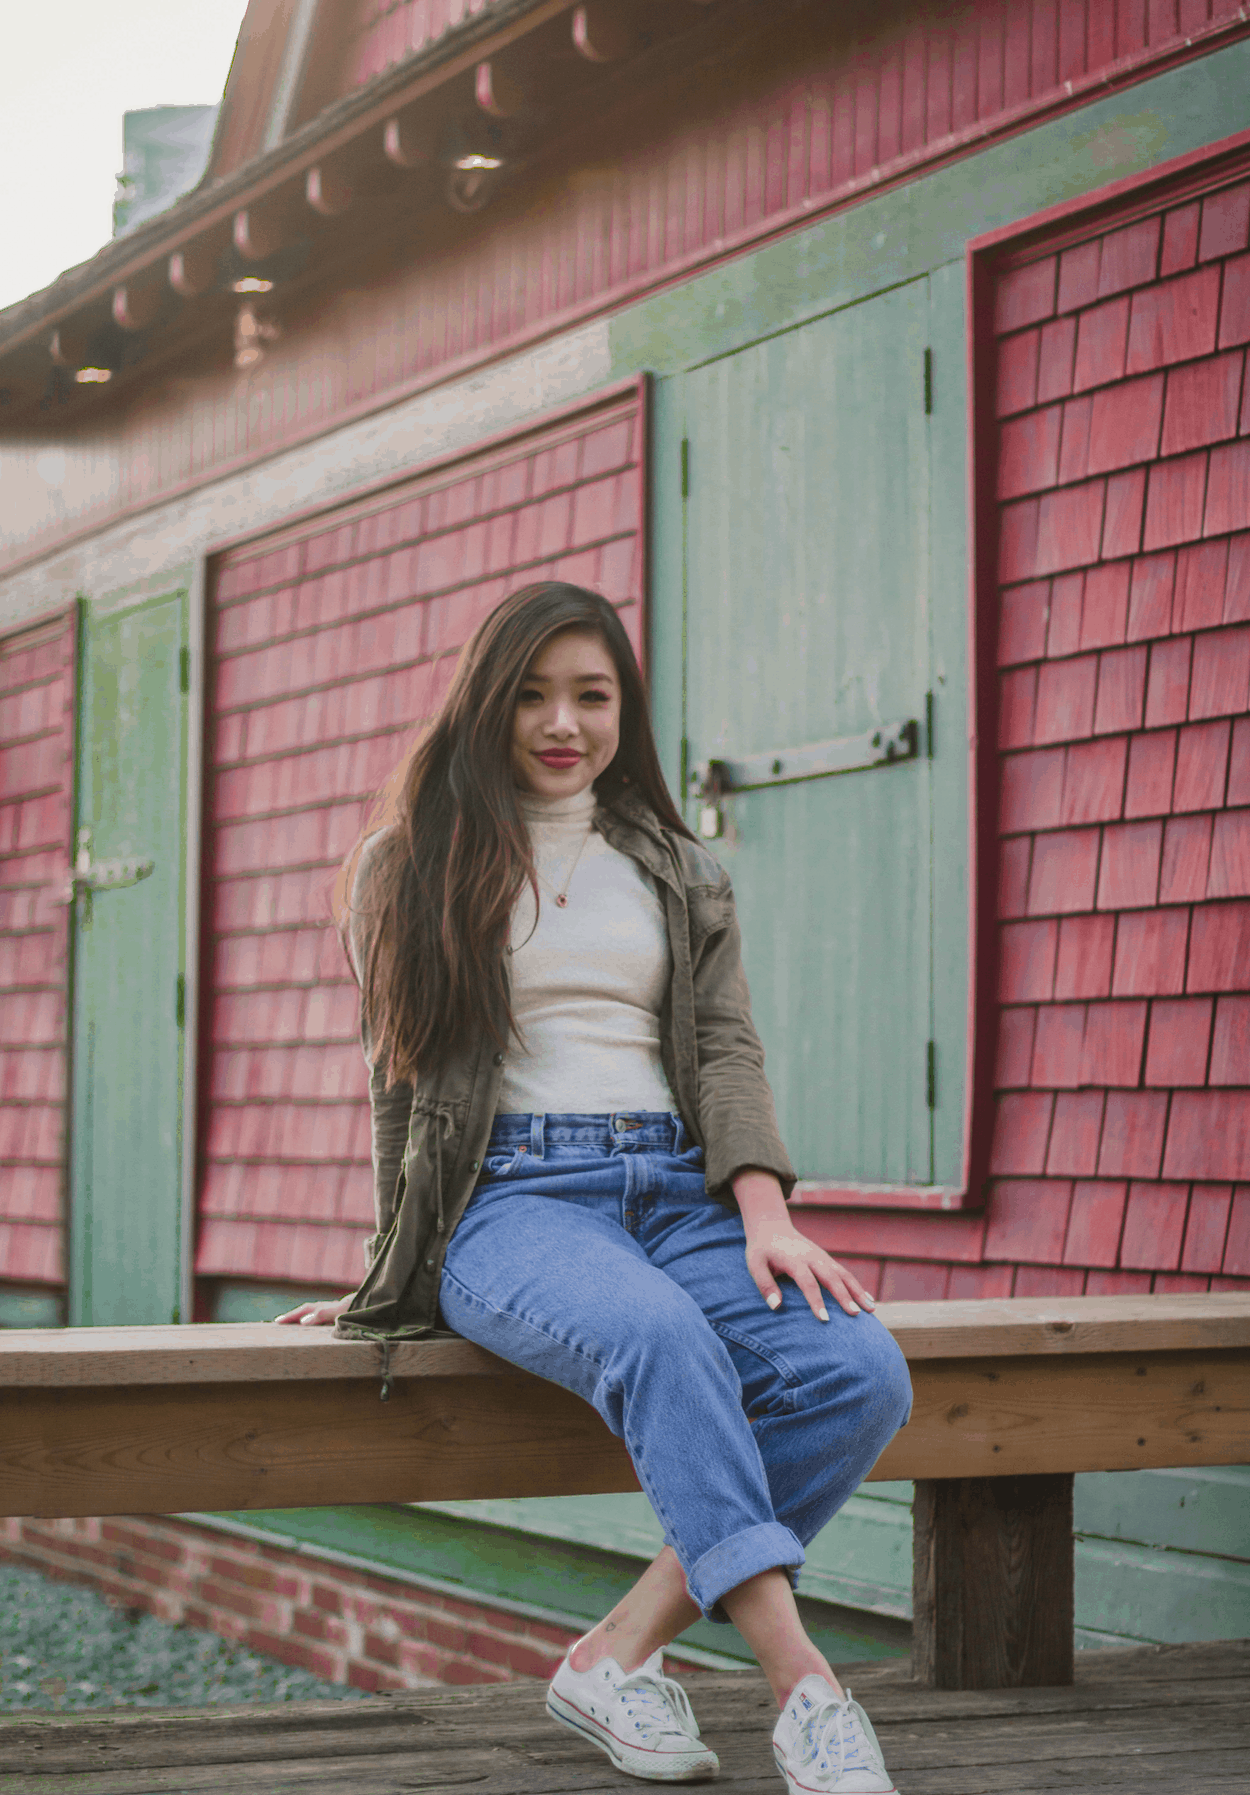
499 1059
475 1166
429 1265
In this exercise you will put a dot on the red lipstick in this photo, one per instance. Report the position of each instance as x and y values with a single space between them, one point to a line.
558 758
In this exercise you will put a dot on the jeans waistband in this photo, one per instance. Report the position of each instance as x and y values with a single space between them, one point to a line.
605 1132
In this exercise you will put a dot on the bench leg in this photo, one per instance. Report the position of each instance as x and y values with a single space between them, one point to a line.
992 1582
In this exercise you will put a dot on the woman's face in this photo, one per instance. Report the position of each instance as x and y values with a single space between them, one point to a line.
568 716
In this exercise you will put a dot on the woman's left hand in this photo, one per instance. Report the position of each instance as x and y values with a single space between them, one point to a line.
782 1252
776 1249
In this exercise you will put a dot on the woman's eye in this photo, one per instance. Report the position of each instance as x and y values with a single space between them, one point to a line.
529 695
595 698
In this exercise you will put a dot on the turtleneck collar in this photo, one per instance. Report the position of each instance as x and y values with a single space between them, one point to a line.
579 808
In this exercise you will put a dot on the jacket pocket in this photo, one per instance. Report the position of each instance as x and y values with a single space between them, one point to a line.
710 909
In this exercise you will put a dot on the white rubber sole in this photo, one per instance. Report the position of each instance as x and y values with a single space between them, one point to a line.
698 1766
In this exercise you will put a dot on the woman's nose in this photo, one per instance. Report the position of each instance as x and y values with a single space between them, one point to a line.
562 722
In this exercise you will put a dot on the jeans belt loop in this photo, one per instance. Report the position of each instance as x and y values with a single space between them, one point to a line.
536 1136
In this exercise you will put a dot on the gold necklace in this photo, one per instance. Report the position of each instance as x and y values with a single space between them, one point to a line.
562 896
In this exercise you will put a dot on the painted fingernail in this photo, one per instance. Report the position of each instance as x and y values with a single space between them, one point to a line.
852 1308
823 1314
870 1302
773 1301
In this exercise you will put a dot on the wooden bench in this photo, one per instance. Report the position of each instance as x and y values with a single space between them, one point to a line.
1011 1399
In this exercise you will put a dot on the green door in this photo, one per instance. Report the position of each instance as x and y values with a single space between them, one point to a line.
126 1224
807 622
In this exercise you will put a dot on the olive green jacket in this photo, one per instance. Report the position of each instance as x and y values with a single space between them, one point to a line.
429 1141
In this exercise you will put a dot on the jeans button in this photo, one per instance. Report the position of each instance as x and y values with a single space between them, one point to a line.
621 1125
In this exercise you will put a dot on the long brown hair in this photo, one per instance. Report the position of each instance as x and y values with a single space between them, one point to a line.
443 879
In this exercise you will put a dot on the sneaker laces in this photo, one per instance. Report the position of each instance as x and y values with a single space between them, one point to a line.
837 1731
658 1704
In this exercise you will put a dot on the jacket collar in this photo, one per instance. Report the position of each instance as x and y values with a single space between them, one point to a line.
627 822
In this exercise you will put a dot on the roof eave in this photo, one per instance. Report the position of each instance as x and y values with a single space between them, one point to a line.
217 200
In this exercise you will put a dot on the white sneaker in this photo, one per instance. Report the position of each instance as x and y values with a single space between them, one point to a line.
643 1721
824 1744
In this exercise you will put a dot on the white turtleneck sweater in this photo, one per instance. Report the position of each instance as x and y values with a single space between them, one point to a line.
589 981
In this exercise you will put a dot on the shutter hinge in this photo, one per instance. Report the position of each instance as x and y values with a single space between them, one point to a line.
928 724
184 670
180 1001
685 467
931 1074
928 381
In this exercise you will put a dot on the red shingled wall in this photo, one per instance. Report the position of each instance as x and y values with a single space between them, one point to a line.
1121 1151
331 643
36 789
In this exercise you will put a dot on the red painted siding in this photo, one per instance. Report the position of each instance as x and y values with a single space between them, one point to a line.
913 74
805 116
375 35
1120 1157
332 643
36 789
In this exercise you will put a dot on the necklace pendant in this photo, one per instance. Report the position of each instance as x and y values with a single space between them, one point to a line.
562 900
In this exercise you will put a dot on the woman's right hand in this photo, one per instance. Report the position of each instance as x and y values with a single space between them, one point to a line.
317 1315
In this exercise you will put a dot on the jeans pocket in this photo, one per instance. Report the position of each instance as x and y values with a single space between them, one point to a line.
771 1385
502 1165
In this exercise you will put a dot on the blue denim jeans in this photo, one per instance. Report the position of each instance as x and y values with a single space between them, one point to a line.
591 1255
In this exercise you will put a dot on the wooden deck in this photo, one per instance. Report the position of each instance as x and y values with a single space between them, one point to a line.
1175 1719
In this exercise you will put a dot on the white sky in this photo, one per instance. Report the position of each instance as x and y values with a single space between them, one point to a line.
68 71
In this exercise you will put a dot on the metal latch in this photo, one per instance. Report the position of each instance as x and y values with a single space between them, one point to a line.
101 875
710 780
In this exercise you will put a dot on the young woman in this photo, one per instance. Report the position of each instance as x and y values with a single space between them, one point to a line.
577 1165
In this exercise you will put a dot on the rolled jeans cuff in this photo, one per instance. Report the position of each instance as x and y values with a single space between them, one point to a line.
768 1547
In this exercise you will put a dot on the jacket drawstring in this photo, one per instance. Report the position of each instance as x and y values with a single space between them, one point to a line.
384 1395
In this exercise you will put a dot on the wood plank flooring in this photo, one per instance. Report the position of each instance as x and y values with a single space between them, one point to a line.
1172 1719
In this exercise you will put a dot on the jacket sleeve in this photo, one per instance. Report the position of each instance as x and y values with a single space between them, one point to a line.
737 1114
389 1110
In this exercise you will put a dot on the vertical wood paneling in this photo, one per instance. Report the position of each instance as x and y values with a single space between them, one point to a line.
37 671
790 522
332 645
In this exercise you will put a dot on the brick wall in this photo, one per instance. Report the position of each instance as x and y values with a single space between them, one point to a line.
349 1626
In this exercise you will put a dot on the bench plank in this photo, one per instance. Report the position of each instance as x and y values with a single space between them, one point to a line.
161 1449
154 1450
1092 1412
254 1352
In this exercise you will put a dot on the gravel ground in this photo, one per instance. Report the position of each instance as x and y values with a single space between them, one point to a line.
66 1647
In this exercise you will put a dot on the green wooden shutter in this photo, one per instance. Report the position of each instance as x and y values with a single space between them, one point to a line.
806 530
125 1167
